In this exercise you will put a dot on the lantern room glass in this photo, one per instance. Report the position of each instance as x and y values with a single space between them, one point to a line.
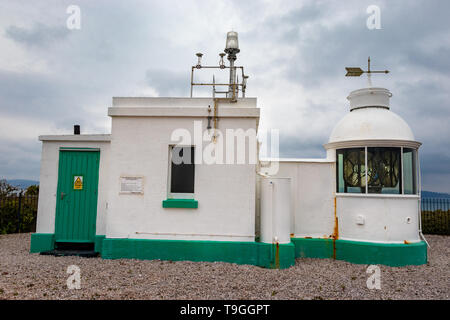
390 170
384 170
351 170
409 167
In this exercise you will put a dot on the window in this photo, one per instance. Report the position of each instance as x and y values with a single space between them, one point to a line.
389 170
409 171
182 169
383 174
351 170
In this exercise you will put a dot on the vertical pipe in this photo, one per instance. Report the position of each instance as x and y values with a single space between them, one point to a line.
336 228
232 89
365 168
216 107
214 87
192 80
231 75
271 209
419 189
402 191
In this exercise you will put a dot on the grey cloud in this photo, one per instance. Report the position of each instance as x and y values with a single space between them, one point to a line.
39 35
435 163
296 147
19 159
330 49
438 60
42 96
168 82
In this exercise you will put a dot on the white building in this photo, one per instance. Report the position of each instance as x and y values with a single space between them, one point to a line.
132 194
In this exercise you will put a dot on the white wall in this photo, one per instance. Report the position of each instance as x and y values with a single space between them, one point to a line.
385 218
225 193
312 196
48 183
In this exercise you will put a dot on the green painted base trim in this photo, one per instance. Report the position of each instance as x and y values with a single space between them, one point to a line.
390 254
253 253
313 248
394 255
98 245
180 203
41 242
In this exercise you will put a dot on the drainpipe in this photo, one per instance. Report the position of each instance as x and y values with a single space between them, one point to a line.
419 187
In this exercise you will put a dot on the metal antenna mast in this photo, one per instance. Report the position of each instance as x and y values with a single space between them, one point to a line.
232 87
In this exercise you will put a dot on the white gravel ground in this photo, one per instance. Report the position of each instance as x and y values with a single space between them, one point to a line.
33 276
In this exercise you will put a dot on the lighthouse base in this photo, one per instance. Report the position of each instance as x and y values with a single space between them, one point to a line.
390 254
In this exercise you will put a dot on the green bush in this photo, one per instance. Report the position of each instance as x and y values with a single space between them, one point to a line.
9 206
436 222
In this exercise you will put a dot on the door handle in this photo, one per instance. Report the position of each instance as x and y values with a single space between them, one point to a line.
62 195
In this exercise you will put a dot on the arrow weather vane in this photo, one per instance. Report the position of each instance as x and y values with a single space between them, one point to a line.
356 72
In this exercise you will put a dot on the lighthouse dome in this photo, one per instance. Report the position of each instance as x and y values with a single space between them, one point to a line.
370 119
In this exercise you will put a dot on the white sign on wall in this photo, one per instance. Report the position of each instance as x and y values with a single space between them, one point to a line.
131 185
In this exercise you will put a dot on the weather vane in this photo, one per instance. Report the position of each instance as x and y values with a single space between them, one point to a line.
356 72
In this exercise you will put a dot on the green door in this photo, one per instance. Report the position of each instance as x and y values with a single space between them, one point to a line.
76 198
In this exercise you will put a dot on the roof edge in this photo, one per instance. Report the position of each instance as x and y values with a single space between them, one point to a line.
77 137
373 143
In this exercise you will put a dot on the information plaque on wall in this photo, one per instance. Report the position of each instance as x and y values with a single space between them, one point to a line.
131 185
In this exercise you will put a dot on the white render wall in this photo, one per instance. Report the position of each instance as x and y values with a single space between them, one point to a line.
385 218
141 135
312 196
48 181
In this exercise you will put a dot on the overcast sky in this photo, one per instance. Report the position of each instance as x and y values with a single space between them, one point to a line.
294 52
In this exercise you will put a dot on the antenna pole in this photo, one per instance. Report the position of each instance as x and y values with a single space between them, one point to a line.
369 79
192 80
231 58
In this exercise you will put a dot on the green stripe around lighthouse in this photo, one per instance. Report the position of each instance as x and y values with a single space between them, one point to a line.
76 198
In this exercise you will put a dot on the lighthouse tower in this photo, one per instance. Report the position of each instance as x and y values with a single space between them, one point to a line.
377 182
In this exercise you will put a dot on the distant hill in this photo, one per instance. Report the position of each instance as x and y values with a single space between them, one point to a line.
22 183
430 194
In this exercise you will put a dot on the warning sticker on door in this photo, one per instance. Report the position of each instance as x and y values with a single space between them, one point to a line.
78 182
